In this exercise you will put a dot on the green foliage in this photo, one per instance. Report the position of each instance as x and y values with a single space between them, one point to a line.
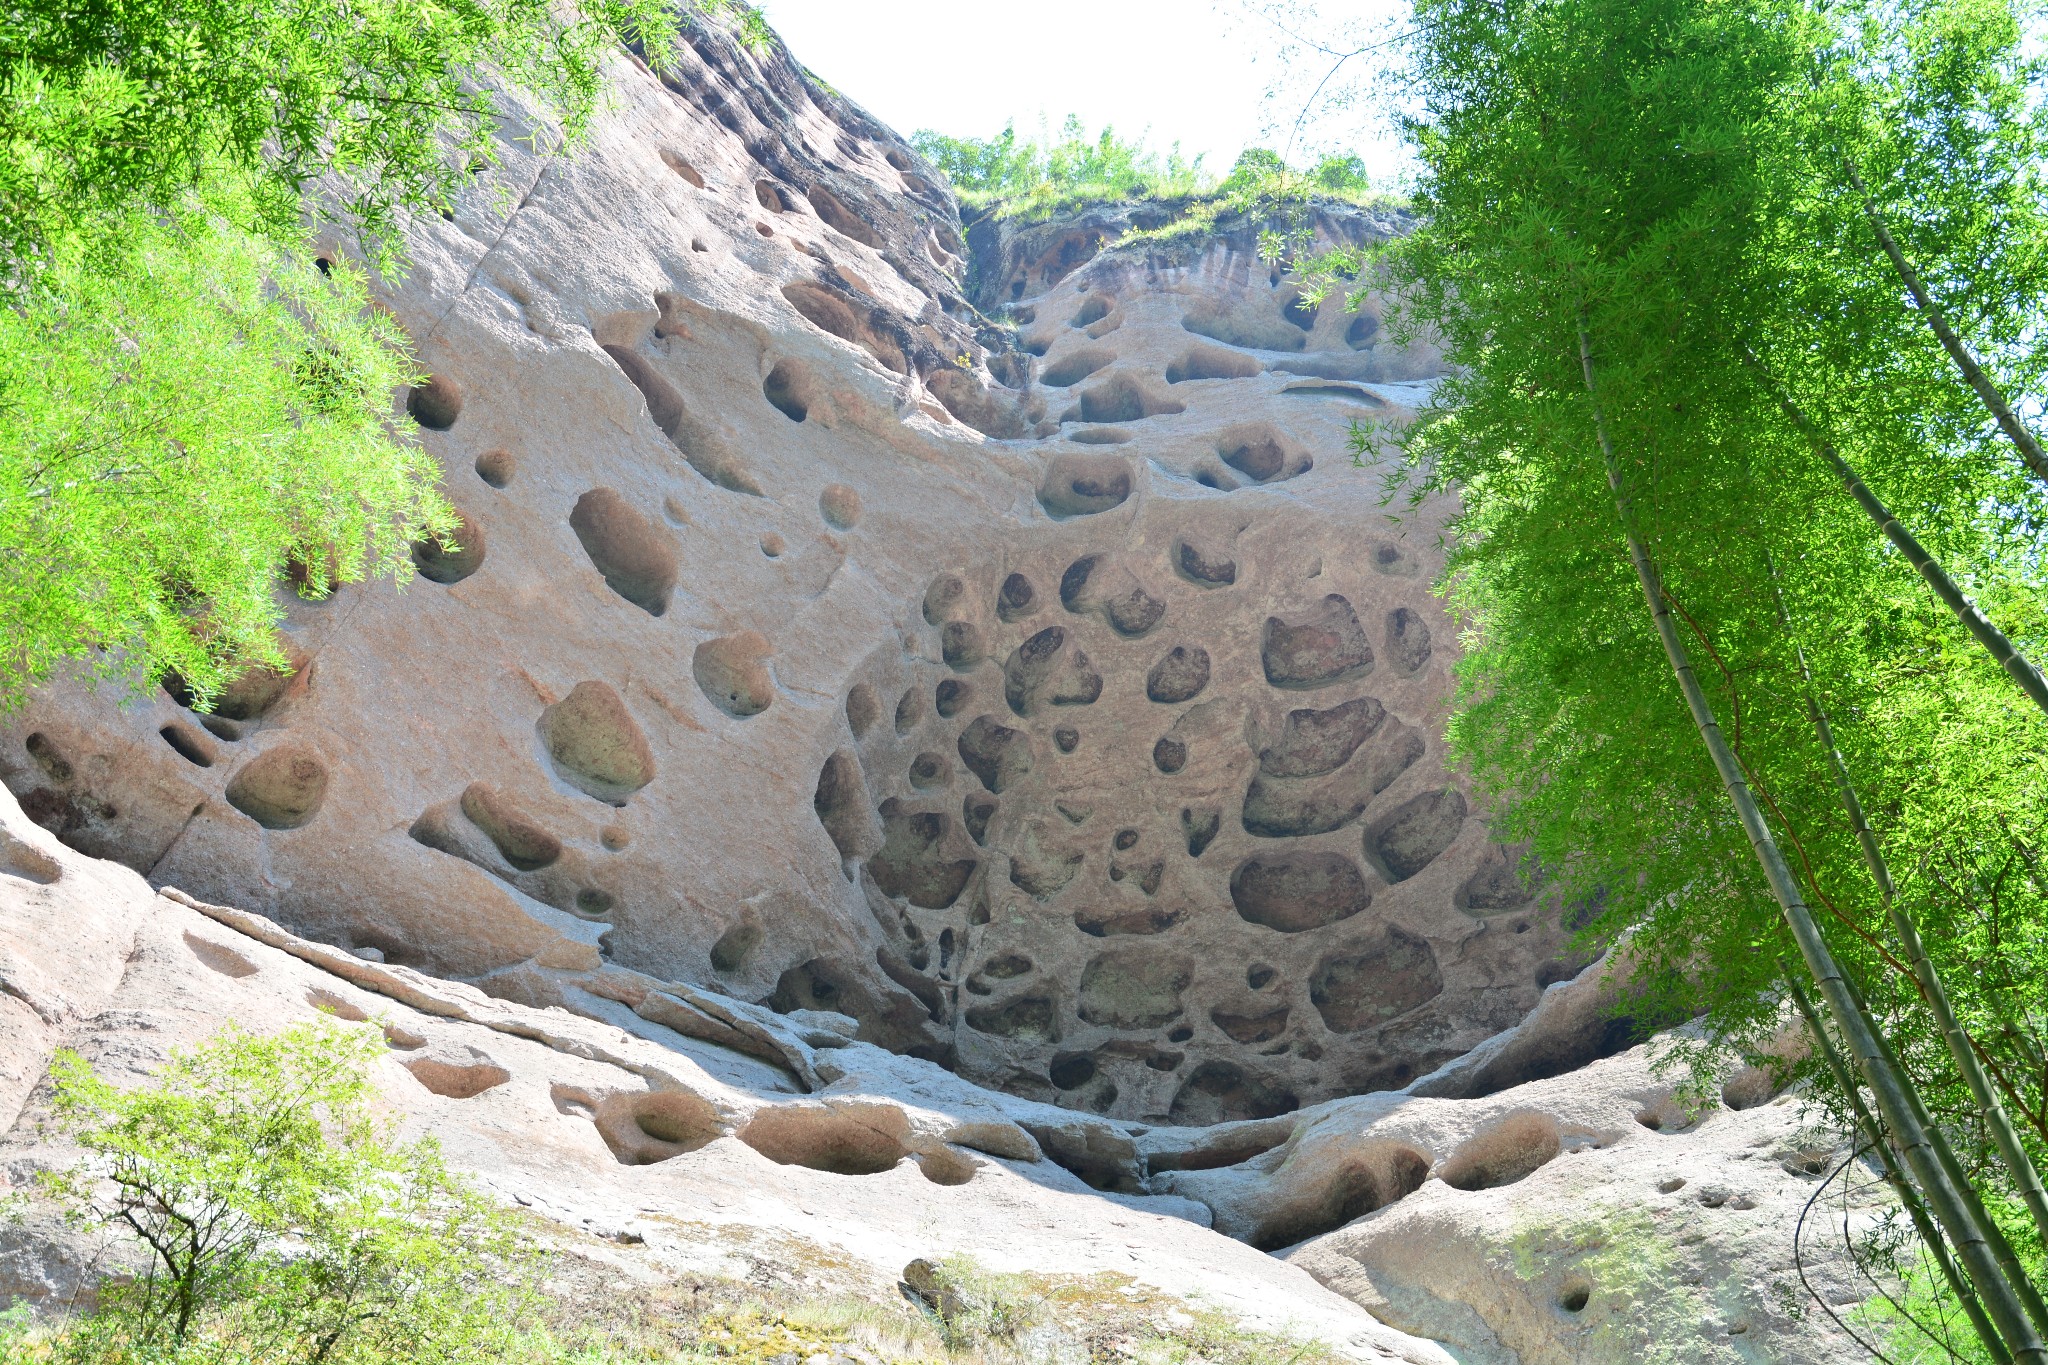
137 103
279 1222
178 424
1668 180
186 405
1033 178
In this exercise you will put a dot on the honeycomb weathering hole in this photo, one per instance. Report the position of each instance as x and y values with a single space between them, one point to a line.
1416 833
842 1143
1503 1152
497 466
458 1078
1072 368
1224 1092
1261 453
1122 399
251 695
732 670
26 861
281 788
1353 991
837 215
595 744
995 753
1048 669
219 956
635 556
188 743
789 389
947 1166
435 403
1375 1175
863 709
327 1002
644 1128
519 837
1179 675
664 404
1408 642
841 803
840 506
1324 645
453 558
403 1039
1133 989
1749 1088
675 162
1236 328
1077 485
1297 891
829 312
914 861
1212 362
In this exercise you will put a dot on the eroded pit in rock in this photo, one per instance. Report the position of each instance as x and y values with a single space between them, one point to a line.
1081 485
1503 1152
635 556
282 788
1375 1174
1297 891
457 1076
855 1140
644 1128
1224 1092
1362 990
1133 989
596 745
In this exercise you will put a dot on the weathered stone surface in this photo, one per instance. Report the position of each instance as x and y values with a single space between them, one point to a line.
808 633
1063 718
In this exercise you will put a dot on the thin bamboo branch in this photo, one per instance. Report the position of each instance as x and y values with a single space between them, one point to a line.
1893 1089
1973 373
1954 598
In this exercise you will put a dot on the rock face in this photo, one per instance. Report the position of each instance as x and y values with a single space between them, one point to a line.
663 1130
953 775
1060 704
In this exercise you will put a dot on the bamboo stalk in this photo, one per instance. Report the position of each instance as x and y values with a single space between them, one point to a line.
1958 351
1925 564
1937 1137
1960 1046
1892 1089
1916 1208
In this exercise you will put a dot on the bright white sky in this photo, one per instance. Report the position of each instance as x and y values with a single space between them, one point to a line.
1192 71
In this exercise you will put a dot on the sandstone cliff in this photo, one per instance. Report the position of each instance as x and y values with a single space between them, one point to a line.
979 634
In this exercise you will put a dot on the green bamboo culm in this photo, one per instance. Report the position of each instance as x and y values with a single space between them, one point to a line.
1990 1108
2003 1299
1916 1207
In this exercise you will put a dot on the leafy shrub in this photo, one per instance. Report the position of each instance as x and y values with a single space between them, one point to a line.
179 420
132 103
1035 177
277 1219
184 406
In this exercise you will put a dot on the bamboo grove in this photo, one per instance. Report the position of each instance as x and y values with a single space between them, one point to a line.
1743 302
